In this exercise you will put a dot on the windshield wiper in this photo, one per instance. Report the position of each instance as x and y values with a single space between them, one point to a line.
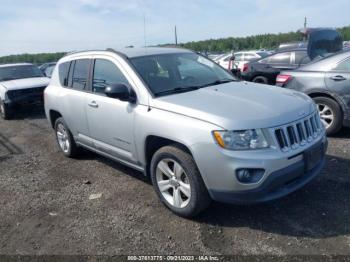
178 90
218 82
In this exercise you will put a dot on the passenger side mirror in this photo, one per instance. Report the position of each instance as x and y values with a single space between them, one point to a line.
121 92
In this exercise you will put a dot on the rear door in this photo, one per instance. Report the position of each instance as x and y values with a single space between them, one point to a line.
338 81
273 65
75 82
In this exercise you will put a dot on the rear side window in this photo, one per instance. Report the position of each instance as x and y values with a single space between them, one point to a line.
80 74
106 73
281 58
63 71
301 58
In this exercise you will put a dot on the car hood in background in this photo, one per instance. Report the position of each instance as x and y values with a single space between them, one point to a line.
323 41
26 83
239 105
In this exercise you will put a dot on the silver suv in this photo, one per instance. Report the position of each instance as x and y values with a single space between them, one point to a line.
181 119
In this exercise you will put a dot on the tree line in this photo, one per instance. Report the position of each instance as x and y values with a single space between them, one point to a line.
263 41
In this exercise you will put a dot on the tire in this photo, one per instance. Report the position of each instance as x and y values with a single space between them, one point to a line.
65 139
330 113
261 80
187 181
5 111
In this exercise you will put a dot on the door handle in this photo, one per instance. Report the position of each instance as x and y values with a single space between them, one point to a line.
338 78
93 104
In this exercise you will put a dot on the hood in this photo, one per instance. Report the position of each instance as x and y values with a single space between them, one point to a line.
239 105
26 83
324 41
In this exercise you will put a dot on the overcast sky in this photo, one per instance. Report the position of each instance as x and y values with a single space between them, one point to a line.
64 25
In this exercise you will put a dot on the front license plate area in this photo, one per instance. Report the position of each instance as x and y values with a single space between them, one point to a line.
313 156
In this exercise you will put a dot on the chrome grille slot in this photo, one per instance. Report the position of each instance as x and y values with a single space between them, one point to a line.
299 133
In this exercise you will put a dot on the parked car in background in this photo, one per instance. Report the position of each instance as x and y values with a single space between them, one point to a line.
47 68
240 59
20 84
187 123
327 81
321 42
265 71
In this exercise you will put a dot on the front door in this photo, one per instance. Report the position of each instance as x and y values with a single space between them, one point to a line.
110 120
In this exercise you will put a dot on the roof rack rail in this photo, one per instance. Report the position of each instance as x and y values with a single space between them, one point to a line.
92 50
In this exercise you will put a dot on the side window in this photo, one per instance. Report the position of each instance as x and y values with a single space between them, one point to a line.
238 57
343 66
80 74
280 58
63 71
105 74
249 57
301 58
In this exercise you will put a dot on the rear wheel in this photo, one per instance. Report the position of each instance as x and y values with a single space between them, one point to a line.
330 114
5 111
261 80
65 139
177 181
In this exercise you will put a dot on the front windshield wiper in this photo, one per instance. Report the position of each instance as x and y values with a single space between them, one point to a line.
192 88
177 90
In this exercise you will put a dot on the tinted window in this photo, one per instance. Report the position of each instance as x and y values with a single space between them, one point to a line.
19 72
343 66
281 58
301 58
63 70
80 74
105 74
238 57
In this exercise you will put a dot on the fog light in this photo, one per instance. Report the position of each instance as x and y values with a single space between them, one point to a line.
249 175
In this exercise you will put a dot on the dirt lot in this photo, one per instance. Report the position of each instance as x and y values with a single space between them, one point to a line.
45 206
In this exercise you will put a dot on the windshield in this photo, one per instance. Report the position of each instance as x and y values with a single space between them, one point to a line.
173 73
19 72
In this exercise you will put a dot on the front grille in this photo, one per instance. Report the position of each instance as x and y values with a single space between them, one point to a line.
299 133
27 91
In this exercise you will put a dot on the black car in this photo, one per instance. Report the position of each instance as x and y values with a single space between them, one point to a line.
265 70
327 81
321 42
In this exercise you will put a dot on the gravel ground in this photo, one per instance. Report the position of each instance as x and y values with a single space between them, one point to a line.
45 206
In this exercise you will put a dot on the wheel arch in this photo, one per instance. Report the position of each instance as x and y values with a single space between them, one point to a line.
54 115
154 143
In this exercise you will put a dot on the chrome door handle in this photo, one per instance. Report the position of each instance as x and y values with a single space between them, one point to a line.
338 78
93 104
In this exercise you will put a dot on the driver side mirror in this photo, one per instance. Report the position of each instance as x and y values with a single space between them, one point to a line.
121 92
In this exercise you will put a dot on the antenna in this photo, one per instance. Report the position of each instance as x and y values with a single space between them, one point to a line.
175 36
144 29
305 26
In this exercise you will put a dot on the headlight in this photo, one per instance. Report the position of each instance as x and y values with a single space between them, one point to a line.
241 140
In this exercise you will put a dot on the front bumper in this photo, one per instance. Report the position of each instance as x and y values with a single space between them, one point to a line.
25 96
284 174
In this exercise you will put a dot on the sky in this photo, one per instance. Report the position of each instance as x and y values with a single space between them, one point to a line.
37 26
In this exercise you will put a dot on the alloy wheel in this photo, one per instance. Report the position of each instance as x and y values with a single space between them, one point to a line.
173 183
326 115
62 137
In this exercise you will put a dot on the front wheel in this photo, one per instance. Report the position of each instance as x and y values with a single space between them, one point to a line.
330 114
177 181
5 111
261 80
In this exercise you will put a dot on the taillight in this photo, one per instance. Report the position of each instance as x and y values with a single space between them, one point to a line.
283 79
245 68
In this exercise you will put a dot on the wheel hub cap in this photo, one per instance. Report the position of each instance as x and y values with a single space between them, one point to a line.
173 183
62 138
326 115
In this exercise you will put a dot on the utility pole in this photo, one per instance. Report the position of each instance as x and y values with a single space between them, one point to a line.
305 26
175 36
